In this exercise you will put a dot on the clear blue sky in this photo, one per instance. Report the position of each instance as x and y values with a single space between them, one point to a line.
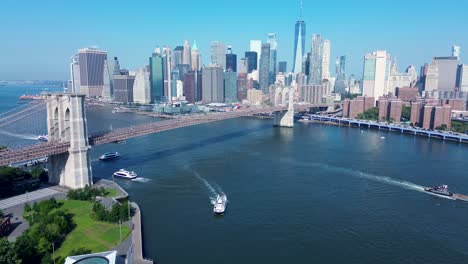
38 37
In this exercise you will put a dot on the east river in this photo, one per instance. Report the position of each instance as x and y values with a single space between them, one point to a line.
311 194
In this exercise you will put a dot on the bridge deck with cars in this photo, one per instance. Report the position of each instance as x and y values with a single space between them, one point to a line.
11 156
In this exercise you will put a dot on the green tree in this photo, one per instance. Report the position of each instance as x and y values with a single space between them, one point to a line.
7 253
406 113
460 127
26 250
115 213
27 208
443 127
39 173
2 147
43 246
47 259
371 114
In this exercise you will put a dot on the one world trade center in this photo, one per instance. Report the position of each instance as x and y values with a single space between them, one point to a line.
299 44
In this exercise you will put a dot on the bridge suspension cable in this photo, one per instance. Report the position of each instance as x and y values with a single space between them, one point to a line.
34 106
19 107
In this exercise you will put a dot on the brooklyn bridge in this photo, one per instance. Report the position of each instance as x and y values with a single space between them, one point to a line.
67 129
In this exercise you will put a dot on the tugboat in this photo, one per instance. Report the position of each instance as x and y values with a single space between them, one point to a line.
441 190
124 174
220 205
109 155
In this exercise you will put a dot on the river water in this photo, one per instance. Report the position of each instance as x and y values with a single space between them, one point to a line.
311 194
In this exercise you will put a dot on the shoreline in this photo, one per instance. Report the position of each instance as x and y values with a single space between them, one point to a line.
374 127
15 209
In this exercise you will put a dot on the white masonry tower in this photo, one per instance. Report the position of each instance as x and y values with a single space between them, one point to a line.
284 96
66 122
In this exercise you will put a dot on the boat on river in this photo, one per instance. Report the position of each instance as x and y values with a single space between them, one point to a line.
220 204
124 174
441 190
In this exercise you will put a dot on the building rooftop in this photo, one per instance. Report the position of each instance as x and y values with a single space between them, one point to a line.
109 257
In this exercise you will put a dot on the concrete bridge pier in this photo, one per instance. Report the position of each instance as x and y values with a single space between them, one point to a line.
66 122
284 96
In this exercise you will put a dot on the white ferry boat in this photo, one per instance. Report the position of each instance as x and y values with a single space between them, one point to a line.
109 155
124 174
220 205
43 138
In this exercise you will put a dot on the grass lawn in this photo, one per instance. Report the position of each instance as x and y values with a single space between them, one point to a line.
90 234
111 192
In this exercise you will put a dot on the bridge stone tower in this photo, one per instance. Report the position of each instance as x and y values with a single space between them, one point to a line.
284 96
66 122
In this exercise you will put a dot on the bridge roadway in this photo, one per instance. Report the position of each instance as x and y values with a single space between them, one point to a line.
392 127
38 151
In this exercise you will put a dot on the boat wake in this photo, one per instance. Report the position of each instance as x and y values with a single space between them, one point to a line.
142 180
359 174
214 190
21 136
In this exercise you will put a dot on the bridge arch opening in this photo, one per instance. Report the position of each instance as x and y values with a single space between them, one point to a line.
66 132
286 98
279 98
55 128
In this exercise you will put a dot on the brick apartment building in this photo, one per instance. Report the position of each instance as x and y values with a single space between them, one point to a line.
352 108
390 109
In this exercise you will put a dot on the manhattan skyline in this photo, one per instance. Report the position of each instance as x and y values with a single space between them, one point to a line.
38 43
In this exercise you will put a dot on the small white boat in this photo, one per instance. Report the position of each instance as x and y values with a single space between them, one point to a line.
220 205
43 138
124 174
382 137
109 155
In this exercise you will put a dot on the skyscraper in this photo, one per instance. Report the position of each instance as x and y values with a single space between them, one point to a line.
273 56
230 87
196 61
315 75
187 55
231 60
447 68
175 76
167 68
142 86
243 66
326 60
156 63
299 44
123 88
265 68
218 54
376 70
91 61
252 59
462 78
213 84
108 77
283 67
190 87
178 55
256 46
241 86
340 69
